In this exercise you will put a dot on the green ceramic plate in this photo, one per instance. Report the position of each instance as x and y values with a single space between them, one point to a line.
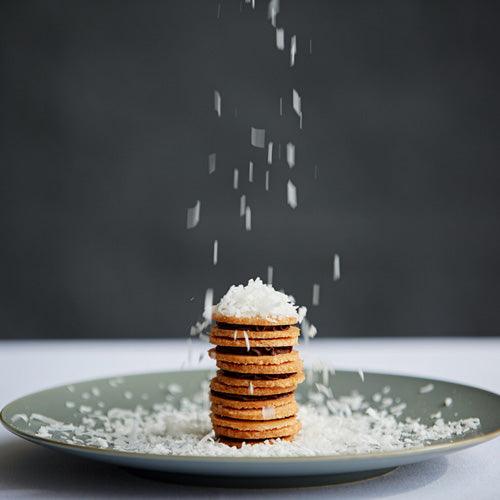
294 471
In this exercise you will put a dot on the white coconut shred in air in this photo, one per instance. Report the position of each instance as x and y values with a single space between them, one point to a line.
256 299
347 425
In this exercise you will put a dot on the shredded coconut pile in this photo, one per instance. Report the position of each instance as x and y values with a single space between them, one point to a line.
257 299
347 425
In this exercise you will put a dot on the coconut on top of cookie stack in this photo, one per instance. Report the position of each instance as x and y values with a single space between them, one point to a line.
253 393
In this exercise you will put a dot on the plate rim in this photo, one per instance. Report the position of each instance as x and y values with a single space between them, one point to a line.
416 451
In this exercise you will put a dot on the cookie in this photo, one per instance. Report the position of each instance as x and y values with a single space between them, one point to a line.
250 389
268 342
256 320
289 367
289 331
254 360
265 413
255 429
287 381
250 402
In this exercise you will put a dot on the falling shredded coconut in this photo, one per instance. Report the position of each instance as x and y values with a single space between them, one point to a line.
257 299
250 389
347 425
247 341
280 38
315 295
291 194
217 102
270 153
211 163
193 215
258 137
336 267
243 202
235 178
290 154
269 275
293 49
248 218
250 172
216 252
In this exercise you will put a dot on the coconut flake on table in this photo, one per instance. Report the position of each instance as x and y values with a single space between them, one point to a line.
291 192
426 388
256 299
193 215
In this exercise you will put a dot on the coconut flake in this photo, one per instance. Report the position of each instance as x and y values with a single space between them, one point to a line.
448 402
208 305
269 153
235 178
268 412
243 202
248 219
267 180
193 215
211 163
290 154
281 106
270 275
426 388
315 294
291 191
250 172
258 137
293 50
247 341
336 267
361 375
250 389
280 38
217 102
257 299
216 252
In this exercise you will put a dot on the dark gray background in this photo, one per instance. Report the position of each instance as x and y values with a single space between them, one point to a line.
107 120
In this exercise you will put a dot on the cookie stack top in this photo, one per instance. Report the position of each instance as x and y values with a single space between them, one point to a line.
252 395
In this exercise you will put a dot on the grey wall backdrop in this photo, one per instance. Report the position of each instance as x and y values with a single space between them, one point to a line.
107 119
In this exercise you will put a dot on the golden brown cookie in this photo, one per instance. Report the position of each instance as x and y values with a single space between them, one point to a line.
289 367
250 389
290 380
291 331
254 360
269 342
256 320
255 429
269 412
219 399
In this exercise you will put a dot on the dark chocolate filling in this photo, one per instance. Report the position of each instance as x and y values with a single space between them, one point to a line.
241 397
254 351
256 376
253 328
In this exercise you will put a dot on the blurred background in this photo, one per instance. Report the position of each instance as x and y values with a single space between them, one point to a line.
107 120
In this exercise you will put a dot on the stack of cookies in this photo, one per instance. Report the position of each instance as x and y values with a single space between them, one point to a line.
253 393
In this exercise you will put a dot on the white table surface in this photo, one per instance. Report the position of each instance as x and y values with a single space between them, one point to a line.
30 471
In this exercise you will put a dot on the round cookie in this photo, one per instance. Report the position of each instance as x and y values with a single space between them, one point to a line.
256 320
266 413
254 360
288 367
292 379
287 427
291 331
285 399
280 342
247 390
